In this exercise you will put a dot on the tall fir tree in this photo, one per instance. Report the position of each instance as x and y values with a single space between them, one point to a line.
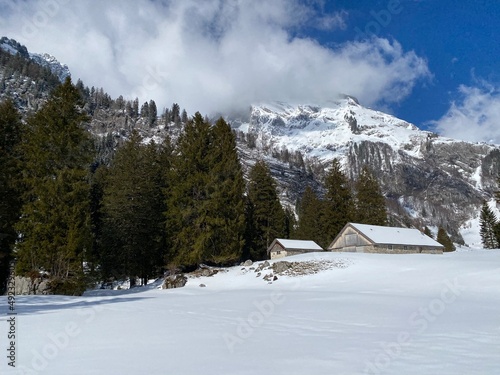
310 225
488 223
54 226
227 188
370 202
445 240
10 173
205 215
188 198
265 215
133 206
339 208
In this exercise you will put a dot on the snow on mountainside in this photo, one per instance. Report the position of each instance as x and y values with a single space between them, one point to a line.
325 133
49 61
44 59
430 180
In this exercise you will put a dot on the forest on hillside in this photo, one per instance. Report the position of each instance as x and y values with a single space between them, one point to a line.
80 209
151 207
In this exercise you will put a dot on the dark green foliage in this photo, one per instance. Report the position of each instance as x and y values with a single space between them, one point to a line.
21 64
10 202
445 240
310 226
205 215
132 209
370 203
56 151
290 223
428 232
152 113
488 223
227 216
265 215
339 206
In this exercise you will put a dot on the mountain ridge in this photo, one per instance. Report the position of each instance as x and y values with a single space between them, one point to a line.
427 179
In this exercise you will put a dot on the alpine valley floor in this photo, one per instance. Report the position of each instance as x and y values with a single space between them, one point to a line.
366 314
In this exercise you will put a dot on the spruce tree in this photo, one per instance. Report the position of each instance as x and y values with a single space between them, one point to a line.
188 199
310 225
227 187
339 208
488 222
205 205
10 173
370 203
54 226
133 207
152 113
428 232
265 215
445 240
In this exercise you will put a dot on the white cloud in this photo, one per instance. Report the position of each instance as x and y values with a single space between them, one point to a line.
475 117
210 55
333 21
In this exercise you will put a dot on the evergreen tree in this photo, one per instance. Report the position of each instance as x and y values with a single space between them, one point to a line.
145 111
184 116
339 206
290 223
135 108
488 222
428 232
175 116
54 226
133 206
310 226
152 113
265 215
188 198
205 215
445 240
10 171
227 211
370 203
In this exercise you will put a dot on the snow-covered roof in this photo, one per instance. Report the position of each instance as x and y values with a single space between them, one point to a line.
395 236
298 244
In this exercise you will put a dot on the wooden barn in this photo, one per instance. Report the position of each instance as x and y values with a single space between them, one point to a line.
280 248
362 238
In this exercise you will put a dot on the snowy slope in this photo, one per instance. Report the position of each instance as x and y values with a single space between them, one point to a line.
379 314
327 132
43 59
434 180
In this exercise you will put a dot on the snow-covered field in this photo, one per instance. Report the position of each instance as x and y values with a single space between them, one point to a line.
379 314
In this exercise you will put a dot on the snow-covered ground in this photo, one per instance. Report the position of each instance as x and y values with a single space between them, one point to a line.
376 314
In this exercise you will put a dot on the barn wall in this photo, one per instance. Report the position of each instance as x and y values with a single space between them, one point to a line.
277 251
392 249
350 239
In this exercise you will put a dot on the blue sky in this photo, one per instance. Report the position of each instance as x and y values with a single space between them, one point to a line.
460 40
434 63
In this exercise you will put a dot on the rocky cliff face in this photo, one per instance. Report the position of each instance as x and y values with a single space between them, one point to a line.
428 180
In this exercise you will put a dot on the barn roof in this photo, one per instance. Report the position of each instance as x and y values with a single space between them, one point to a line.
297 244
395 236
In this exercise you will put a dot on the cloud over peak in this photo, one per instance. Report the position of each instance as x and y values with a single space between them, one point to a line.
212 55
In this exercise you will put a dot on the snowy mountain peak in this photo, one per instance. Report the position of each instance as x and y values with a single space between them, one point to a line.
13 47
49 61
44 59
325 132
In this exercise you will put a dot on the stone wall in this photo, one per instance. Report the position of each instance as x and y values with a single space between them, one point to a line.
28 286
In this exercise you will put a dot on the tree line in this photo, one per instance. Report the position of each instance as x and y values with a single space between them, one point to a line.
154 206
